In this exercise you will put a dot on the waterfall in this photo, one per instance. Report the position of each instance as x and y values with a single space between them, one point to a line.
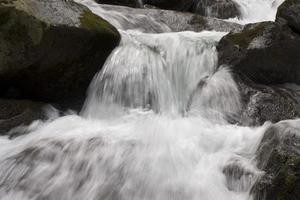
169 73
154 127
256 10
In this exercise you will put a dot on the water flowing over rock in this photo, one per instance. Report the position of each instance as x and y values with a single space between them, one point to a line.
223 9
164 118
157 20
162 79
50 50
213 8
149 109
279 156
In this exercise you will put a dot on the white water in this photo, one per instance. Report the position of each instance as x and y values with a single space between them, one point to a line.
154 127
252 11
257 10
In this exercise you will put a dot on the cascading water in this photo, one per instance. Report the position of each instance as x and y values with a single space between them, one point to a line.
168 73
154 127
257 10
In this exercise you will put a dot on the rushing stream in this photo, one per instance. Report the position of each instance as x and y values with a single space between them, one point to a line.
154 127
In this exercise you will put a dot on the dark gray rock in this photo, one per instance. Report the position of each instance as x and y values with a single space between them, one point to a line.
179 5
278 156
130 3
266 53
212 8
50 50
290 12
15 113
263 103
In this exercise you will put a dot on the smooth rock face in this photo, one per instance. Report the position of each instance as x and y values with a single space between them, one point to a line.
50 50
279 156
266 53
290 12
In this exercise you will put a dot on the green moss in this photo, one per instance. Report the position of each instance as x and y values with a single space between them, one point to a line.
18 26
93 22
244 38
287 184
287 178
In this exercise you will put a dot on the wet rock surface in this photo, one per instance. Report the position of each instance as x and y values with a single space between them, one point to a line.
279 157
263 103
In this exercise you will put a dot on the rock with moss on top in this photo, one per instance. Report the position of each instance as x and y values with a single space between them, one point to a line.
266 53
50 50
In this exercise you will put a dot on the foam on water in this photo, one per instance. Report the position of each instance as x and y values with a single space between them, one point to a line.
137 156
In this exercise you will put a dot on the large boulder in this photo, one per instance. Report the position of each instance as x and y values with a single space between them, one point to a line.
278 156
290 12
266 53
50 50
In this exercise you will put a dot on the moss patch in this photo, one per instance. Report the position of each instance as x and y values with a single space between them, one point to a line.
93 22
17 25
244 38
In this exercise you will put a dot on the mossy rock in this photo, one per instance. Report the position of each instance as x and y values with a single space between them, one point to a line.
266 53
278 155
50 50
